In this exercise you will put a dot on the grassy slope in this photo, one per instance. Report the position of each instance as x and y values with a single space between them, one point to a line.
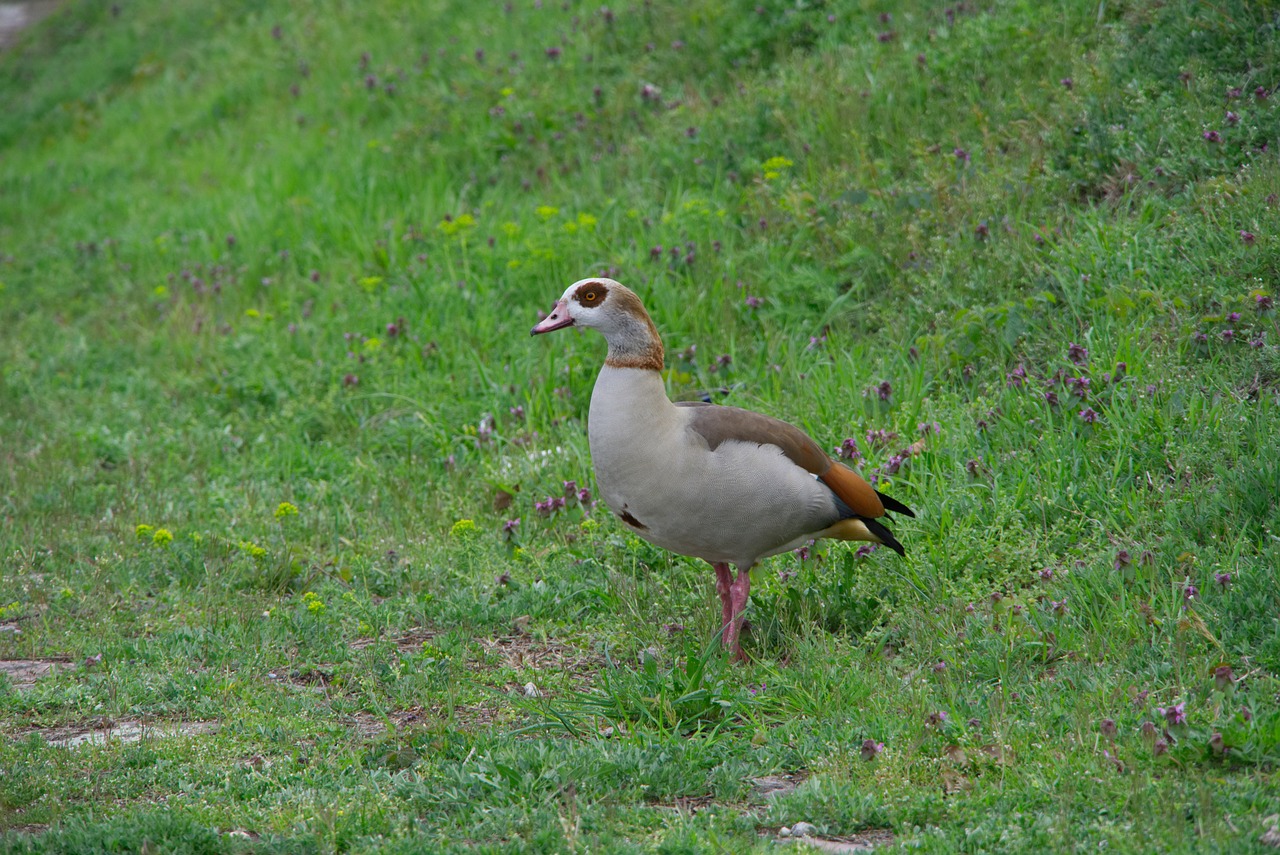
200 266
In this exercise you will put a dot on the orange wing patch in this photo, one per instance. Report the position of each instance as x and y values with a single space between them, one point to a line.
852 490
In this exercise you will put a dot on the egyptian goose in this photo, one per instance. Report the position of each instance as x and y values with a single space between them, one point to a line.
723 484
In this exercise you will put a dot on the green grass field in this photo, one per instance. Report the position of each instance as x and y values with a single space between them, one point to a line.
277 445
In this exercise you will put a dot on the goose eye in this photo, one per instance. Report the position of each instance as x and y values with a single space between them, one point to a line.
589 297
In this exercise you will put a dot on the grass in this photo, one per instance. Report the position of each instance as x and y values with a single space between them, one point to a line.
269 408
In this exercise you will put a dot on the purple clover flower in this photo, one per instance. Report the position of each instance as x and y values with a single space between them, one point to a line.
1089 415
884 390
880 437
1077 353
871 749
1174 715
1212 136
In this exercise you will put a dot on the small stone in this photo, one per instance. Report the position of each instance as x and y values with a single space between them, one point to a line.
803 829
531 691
1271 837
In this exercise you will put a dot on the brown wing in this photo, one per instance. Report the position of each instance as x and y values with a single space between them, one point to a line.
718 424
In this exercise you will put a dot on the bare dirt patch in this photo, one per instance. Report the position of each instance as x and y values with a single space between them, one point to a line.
125 732
23 673
525 653
369 725
772 786
29 828
410 641
865 841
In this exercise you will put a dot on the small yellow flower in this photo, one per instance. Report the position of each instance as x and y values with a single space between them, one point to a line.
545 212
162 537
314 604
372 344
510 229
587 222
143 531
776 164
589 525
463 529
11 609
253 550
507 91
196 537
286 509
161 292
456 225
370 283
252 313
571 228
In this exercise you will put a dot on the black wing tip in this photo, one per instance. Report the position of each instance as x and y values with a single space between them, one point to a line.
886 537
892 504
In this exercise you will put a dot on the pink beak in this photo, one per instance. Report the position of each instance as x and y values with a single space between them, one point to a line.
558 319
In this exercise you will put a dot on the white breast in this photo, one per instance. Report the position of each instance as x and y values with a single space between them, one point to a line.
739 503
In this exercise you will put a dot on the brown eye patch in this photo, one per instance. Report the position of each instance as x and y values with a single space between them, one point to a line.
591 294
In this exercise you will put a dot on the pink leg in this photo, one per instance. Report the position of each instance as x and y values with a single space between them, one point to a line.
724 587
739 593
